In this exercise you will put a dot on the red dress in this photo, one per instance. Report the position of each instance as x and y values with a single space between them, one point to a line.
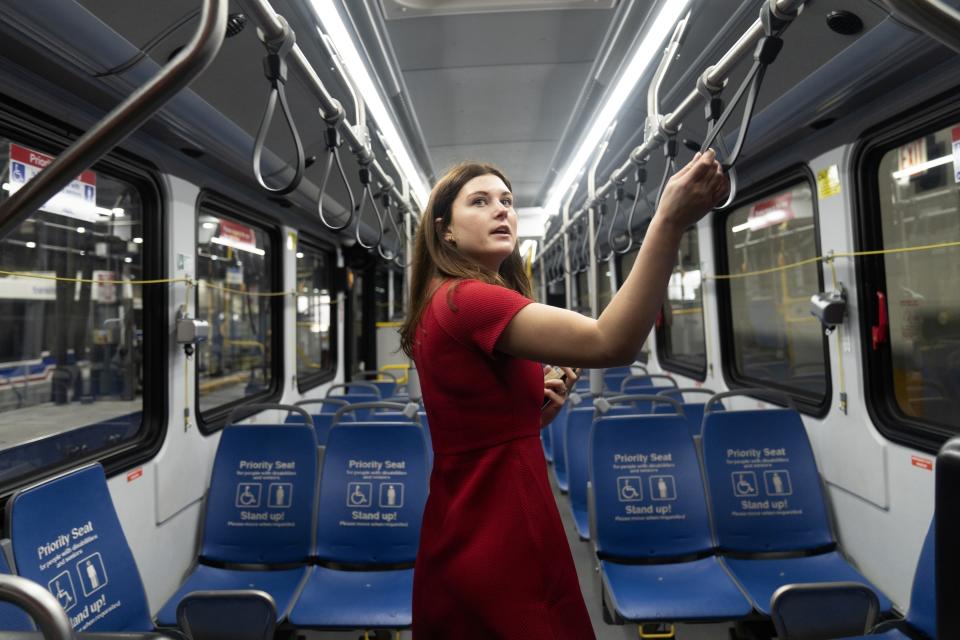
493 560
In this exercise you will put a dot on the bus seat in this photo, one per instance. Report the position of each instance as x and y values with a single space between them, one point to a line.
354 392
374 531
652 531
322 420
766 497
922 616
546 440
66 536
823 610
252 615
579 423
12 617
256 515
692 410
558 430
613 377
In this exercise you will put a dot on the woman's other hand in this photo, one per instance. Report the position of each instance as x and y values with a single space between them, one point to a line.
556 391
693 191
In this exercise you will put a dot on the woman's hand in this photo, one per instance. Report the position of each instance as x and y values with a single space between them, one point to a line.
693 191
556 391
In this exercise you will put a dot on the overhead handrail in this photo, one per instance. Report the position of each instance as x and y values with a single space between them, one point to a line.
714 75
613 218
765 54
330 109
41 605
269 406
934 17
275 70
333 142
122 120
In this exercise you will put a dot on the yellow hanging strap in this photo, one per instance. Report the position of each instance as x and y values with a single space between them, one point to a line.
656 630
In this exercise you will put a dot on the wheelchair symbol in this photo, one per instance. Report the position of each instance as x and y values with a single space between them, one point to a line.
248 495
359 494
630 488
744 484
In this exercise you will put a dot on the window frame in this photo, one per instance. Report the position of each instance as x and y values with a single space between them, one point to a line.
212 420
305 383
664 350
805 403
34 129
882 407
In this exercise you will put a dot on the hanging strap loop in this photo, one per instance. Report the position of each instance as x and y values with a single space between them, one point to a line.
618 195
366 196
670 165
333 141
275 70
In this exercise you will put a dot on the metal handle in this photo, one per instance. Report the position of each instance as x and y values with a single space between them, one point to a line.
680 392
648 376
39 604
771 395
270 406
304 403
123 120
346 385
604 407
397 406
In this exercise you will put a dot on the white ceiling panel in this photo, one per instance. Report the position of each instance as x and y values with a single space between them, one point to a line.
498 39
495 104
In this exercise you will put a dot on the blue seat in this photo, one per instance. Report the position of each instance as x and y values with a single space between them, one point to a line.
373 489
258 514
766 498
692 410
12 617
66 536
558 430
922 615
546 439
322 420
652 531
355 392
613 377
579 424
387 385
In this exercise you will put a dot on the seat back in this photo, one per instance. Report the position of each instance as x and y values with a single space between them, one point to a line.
763 482
648 492
693 409
66 537
263 489
323 418
646 406
579 424
923 601
613 377
244 614
12 617
372 491
823 611
558 435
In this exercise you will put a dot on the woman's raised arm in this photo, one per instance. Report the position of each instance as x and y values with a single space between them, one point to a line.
548 334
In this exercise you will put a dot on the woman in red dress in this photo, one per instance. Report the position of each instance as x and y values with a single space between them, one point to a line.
493 560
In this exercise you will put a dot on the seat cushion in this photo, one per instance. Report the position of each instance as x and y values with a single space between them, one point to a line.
281 585
355 600
760 578
686 591
893 634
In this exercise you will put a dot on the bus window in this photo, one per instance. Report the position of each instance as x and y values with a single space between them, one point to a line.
771 336
234 267
918 191
680 338
71 329
316 334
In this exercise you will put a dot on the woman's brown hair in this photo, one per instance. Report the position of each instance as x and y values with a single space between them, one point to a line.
434 257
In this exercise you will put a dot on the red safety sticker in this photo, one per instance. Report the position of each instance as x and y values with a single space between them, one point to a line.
133 475
923 463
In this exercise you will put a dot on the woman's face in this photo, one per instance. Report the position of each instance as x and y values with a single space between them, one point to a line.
483 223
